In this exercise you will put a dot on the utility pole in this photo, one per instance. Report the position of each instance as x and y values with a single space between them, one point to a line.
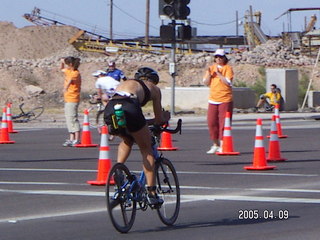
237 26
252 46
147 21
172 69
111 19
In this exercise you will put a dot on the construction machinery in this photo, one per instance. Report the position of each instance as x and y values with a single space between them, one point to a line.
253 32
85 40
308 40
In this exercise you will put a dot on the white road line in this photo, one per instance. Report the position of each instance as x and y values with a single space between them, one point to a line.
46 170
31 129
251 173
56 214
179 172
56 192
182 187
254 189
43 183
250 198
101 193
184 198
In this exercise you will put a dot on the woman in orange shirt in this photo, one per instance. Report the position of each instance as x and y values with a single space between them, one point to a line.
71 93
219 78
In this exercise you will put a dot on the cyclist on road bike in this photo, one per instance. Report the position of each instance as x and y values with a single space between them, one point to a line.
105 86
133 94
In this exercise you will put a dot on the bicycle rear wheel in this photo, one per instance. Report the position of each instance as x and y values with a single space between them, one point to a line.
169 190
35 113
121 207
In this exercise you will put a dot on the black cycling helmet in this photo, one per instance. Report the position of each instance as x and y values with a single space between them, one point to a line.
146 73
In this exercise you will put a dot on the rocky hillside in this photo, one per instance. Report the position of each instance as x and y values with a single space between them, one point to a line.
29 63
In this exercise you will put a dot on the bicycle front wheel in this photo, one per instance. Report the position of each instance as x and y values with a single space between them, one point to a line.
169 190
35 113
121 207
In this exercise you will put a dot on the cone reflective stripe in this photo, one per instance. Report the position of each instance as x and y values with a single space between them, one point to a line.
86 134
274 145
166 142
9 119
4 137
104 163
227 146
277 114
259 155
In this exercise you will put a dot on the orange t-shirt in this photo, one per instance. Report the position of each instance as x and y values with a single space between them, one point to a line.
219 91
73 92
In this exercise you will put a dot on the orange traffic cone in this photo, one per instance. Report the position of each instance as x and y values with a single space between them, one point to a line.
166 142
9 119
4 137
274 145
277 114
259 157
104 164
227 145
86 134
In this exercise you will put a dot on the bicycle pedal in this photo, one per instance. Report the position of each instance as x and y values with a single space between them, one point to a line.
155 206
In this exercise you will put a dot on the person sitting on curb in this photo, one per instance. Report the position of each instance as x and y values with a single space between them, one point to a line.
270 99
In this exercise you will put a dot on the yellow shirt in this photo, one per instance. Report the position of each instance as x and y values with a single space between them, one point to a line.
73 91
220 91
273 97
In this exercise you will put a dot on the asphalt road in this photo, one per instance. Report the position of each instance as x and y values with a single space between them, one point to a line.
44 192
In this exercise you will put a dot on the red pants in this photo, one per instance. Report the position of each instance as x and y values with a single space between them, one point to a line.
216 118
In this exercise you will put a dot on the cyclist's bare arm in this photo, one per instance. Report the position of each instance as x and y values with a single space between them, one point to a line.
160 116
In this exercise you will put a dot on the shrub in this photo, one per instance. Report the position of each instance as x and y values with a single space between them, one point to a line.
259 87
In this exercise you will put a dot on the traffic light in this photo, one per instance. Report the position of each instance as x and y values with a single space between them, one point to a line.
168 8
181 9
167 32
184 32
174 9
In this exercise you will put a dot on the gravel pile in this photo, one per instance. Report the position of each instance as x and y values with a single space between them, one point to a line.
31 56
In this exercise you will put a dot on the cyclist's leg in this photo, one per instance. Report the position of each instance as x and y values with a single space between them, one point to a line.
124 149
261 101
142 138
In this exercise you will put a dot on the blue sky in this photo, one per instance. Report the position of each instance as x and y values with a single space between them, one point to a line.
210 17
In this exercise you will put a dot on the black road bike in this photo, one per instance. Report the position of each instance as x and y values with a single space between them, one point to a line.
126 192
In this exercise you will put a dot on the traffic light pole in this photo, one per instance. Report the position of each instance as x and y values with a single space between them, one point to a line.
174 10
173 69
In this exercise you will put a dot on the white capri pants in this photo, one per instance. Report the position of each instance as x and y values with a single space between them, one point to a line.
71 114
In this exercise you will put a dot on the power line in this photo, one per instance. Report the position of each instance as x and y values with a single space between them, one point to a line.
138 20
76 22
216 24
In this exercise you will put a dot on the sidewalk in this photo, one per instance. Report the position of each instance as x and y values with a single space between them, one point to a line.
58 120
251 117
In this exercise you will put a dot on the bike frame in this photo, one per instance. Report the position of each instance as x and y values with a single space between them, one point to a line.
142 177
